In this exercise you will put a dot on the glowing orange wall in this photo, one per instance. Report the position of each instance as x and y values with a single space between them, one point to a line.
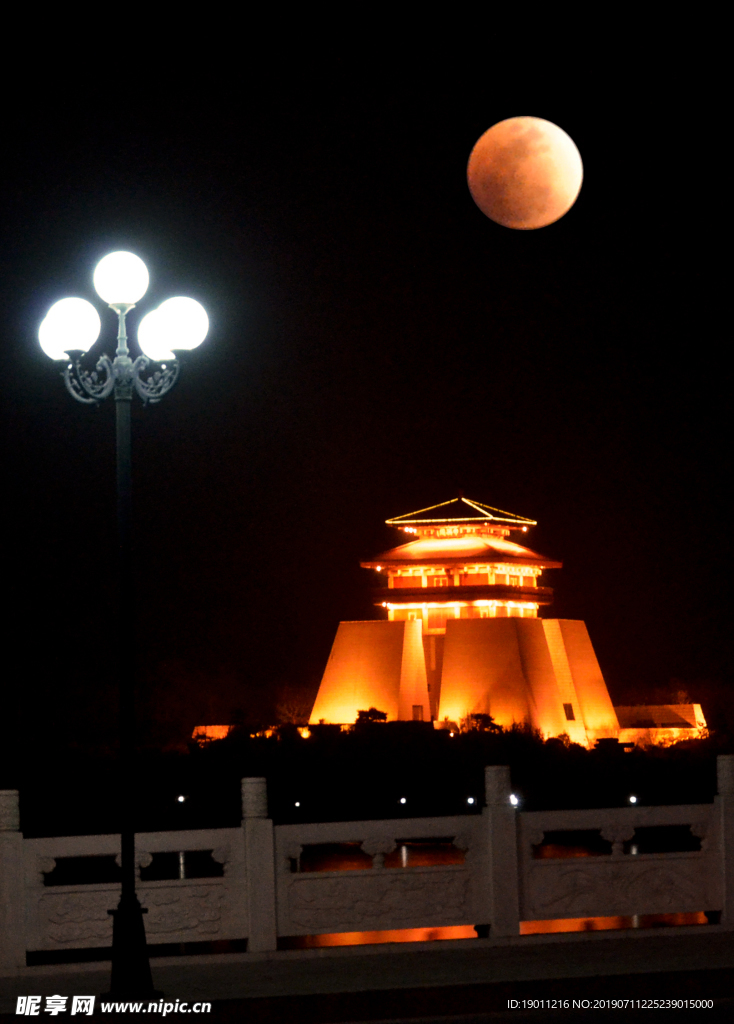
413 682
516 670
483 672
600 717
211 732
525 670
373 664
566 686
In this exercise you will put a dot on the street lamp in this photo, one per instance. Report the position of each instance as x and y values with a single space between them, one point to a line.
68 331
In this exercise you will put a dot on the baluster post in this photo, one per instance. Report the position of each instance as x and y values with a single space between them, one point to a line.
12 885
259 865
502 864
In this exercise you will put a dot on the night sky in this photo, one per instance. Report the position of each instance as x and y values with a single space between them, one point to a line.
376 346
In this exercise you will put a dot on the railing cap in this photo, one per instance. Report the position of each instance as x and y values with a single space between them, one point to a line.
254 798
497 785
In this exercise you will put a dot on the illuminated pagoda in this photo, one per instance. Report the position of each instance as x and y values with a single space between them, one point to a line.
461 565
463 634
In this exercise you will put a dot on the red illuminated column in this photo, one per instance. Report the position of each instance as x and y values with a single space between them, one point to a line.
259 865
12 889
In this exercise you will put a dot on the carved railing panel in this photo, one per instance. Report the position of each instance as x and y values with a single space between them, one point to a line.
187 911
622 883
378 898
180 910
655 884
425 897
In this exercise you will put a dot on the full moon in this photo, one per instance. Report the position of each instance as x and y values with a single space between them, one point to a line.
525 173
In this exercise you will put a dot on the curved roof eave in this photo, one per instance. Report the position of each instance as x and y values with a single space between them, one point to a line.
471 548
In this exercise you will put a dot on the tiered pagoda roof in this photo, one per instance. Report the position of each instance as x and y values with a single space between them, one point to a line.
467 544
459 551
480 537
461 510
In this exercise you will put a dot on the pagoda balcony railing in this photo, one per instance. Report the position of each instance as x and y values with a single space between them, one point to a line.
449 594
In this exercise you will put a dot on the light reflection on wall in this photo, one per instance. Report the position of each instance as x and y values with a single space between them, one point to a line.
465 931
572 924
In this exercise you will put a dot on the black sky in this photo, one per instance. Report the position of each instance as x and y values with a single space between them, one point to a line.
376 345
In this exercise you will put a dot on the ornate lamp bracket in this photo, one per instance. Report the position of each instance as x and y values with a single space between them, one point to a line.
121 375
156 383
89 387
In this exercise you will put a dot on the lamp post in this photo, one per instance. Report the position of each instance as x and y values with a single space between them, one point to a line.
69 330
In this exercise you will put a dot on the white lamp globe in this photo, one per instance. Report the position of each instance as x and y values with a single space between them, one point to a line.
186 322
121 279
70 324
152 338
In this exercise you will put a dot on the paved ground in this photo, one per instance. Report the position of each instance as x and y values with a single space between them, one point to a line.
488 1004
460 982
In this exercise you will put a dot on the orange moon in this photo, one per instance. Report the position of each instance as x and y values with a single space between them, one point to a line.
525 173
